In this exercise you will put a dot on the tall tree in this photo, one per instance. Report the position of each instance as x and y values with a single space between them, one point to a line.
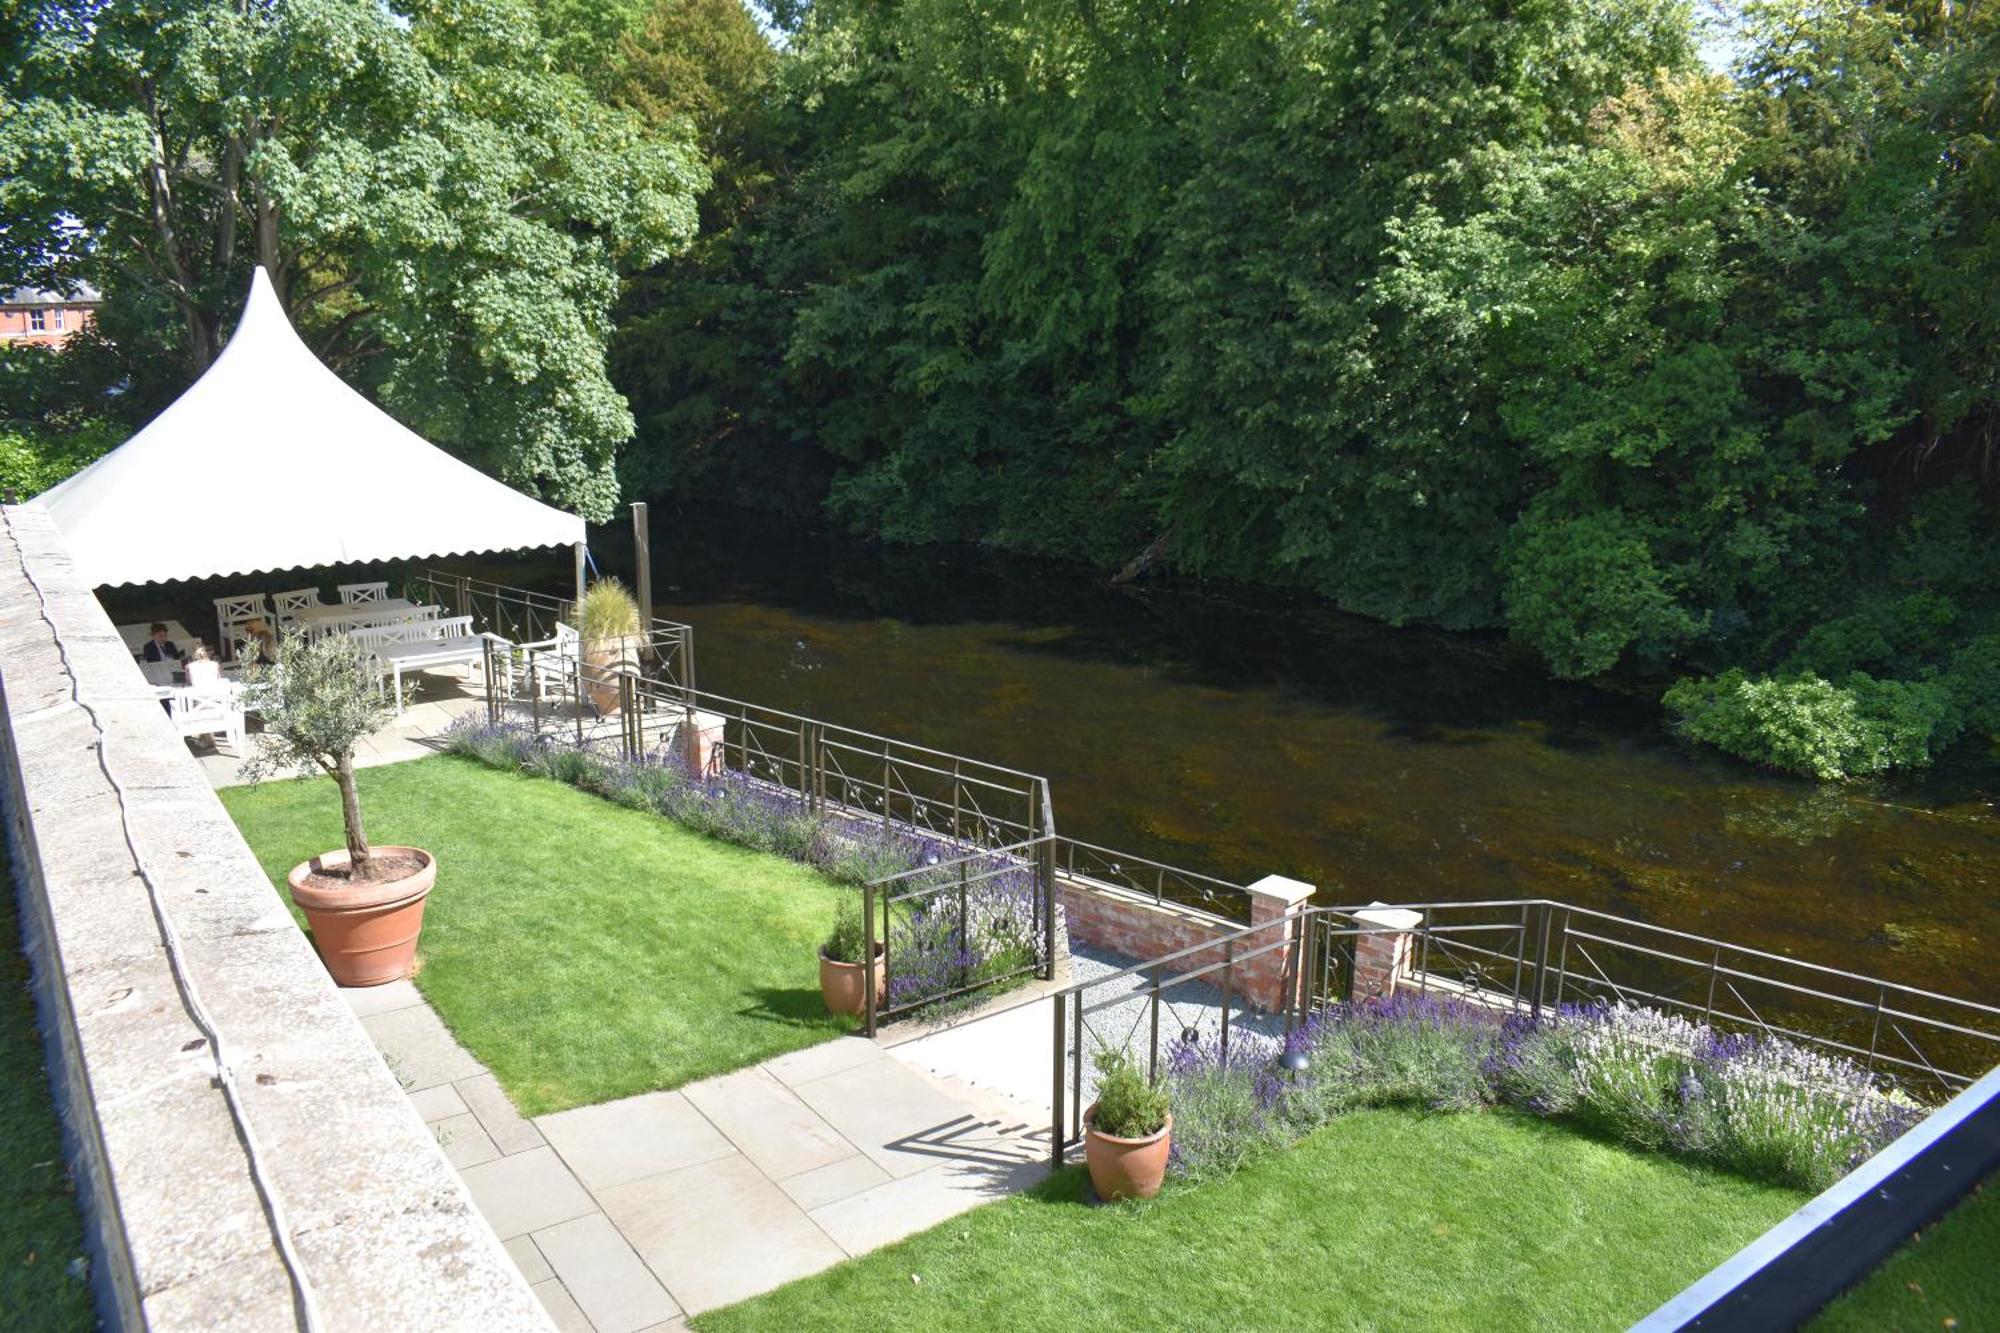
442 210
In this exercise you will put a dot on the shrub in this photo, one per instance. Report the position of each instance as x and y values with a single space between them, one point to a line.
1411 1050
1805 724
849 941
936 952
1129 1106
1759 1106
1226 1111
607 611
319 701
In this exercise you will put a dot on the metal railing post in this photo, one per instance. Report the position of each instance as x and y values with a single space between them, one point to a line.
486 673
576 668
1059 1049
1045 872
1541 971
868 958
964 944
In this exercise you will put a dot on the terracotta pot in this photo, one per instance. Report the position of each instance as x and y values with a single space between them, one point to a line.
603 659
366 933
844 986
1126 1168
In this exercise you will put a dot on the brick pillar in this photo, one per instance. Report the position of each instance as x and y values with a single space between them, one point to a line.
697 738
1381 961
1267 981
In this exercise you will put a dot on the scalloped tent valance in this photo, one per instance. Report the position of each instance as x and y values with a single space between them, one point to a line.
270 461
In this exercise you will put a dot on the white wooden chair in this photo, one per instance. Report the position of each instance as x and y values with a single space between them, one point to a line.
232 613
214 710
359 594
554 661
284 604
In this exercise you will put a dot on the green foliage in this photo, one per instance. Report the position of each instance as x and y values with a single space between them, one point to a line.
322 699
849 941
606 612
44 1274
34 458
442 210
1129 1106
1508 316
1806 724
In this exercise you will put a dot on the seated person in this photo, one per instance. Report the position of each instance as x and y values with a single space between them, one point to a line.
160 648
202 670
258 639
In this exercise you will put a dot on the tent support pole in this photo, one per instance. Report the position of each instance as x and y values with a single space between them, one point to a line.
577 608
642 556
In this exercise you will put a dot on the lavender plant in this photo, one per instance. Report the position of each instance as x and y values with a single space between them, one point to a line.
1228 1109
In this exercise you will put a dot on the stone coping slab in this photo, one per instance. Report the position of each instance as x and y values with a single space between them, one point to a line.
182 1220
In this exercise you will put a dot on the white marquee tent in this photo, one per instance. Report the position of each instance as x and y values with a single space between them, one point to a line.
269 461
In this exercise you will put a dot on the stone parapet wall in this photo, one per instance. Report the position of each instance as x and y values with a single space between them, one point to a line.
185 1189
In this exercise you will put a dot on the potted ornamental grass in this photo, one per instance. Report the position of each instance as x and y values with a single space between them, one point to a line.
843 979
365 903
607 623
1127 1132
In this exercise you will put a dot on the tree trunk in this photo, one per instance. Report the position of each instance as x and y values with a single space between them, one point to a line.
360 861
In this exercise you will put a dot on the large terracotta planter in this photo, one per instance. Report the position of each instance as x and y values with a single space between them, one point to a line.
603 660
366 933
1125 1168
844 986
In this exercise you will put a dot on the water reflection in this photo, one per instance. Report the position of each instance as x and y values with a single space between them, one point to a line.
1242 733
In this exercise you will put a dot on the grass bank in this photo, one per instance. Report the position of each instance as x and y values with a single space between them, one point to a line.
1383 1219
581 950
41 1234
1945 1277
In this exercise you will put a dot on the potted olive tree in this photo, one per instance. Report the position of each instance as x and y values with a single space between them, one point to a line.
607 622
843 980
365 904
1127 1132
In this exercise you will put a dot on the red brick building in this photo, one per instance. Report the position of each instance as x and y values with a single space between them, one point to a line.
46 318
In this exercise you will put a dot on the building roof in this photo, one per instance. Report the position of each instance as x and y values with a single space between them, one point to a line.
270 461
85 294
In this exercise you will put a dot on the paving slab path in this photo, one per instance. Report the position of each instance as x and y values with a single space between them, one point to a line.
632 1215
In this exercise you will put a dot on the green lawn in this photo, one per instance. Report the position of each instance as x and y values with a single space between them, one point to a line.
1948 1276
581 950
40 1232
1384 1219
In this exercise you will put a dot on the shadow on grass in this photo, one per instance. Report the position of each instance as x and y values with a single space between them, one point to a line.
794 1006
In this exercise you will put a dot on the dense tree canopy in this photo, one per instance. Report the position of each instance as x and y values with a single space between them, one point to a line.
1513 316
440 206
1475 314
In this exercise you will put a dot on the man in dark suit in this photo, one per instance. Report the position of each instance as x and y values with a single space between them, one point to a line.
160 648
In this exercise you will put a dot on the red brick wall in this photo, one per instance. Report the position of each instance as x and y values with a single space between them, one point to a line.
1132 924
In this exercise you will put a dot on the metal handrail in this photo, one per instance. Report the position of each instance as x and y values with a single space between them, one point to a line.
1541 938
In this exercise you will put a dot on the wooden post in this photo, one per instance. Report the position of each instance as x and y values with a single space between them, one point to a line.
642 558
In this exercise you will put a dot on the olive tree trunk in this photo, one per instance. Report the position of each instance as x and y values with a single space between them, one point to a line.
360 861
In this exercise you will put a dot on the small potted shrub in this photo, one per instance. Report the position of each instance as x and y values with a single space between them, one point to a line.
843 981
1127 1132
607 622
365 904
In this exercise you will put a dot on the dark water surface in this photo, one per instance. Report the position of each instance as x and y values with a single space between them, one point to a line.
1243 733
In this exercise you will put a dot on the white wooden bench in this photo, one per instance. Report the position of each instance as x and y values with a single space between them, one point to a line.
418 645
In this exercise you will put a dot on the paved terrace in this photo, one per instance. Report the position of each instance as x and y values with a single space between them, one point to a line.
632 1214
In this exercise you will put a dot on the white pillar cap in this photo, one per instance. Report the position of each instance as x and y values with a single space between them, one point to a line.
1383 916
1281 890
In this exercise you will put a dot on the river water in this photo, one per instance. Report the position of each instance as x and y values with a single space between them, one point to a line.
1242 733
